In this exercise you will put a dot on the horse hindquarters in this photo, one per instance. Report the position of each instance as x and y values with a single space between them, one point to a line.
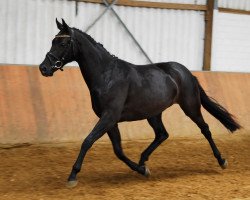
192 94
189 100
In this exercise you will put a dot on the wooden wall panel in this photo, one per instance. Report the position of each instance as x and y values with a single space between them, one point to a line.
34 108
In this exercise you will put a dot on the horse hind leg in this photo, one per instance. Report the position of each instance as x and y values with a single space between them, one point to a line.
192 108
115 137
160 136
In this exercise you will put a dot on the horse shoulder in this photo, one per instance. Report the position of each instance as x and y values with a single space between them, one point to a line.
111 92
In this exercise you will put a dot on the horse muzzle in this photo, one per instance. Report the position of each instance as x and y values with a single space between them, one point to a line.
45 71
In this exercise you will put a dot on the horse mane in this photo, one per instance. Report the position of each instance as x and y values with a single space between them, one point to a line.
97 44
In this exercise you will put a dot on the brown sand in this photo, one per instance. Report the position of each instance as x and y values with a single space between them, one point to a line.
182 168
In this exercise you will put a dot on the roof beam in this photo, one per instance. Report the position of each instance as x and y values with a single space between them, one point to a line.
150 4
234 11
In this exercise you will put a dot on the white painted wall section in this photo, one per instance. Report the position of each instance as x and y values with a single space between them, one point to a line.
231 42
235 4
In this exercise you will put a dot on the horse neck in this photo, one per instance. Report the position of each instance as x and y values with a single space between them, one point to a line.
92 61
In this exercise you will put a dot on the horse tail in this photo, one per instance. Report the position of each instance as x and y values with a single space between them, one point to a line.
218 111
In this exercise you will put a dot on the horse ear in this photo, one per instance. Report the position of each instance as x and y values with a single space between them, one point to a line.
65 26
59 25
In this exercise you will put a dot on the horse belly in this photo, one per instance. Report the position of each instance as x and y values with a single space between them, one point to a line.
145 102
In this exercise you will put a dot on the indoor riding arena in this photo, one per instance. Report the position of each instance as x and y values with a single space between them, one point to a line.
47 121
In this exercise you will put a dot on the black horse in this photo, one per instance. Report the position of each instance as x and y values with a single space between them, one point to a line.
121 91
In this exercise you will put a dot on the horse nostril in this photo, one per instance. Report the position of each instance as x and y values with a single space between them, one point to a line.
43 69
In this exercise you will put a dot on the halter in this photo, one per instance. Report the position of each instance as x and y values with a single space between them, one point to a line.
58 64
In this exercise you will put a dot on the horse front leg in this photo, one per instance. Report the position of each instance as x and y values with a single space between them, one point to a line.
106 122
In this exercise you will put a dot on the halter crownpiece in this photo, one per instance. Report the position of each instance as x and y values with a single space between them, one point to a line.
59 36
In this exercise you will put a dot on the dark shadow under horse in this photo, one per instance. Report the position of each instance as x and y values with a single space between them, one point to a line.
121 91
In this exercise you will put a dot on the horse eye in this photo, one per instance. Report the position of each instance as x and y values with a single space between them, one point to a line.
63 44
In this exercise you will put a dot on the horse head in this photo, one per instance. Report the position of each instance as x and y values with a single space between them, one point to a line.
61 51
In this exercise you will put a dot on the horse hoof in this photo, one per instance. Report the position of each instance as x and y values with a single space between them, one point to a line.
224 165
147 172
71 184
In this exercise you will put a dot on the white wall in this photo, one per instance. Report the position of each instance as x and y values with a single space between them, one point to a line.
231 42
235 4
28 26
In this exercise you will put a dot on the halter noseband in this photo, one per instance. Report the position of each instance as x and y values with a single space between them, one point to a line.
58 64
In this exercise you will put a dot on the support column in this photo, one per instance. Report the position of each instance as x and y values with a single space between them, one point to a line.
208 35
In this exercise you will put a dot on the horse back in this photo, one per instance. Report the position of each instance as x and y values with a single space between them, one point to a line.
150 92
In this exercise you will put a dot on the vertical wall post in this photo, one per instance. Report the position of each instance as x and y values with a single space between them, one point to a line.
208 35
